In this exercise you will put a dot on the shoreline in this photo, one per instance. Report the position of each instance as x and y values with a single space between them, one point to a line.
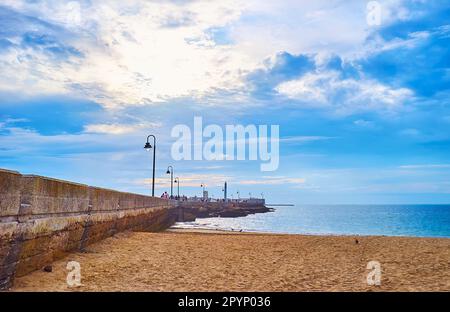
204 230
217 231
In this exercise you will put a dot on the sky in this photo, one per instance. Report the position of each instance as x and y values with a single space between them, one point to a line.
363 109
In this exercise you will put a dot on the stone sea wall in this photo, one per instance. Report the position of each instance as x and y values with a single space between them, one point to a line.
190 210
42 219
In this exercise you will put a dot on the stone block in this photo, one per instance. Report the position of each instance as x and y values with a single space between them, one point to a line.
51 196
103 199
10 186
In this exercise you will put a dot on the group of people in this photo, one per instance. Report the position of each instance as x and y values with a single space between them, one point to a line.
165 195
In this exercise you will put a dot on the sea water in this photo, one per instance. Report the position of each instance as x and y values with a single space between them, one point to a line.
389 220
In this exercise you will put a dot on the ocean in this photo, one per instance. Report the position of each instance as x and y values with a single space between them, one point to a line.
388 220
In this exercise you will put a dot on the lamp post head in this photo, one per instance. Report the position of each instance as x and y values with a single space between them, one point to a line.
168 171
148 146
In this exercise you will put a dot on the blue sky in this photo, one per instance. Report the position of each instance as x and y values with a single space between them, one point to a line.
363 110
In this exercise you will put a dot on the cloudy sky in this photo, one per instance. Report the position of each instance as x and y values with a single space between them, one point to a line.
363 109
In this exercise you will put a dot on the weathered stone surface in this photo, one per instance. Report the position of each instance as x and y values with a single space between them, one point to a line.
42 219
103 199
9 230
51 196
9 192
7 275
36 262
33 247
50 225
9 256
9 251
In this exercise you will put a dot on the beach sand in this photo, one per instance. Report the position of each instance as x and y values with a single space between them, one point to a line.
208 261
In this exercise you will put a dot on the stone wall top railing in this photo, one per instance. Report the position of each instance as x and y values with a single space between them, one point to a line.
38 196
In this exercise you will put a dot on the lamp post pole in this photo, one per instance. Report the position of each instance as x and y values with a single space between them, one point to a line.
177 181
203 187
171 180
148 146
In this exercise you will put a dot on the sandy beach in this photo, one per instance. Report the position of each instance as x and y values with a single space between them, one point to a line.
208 261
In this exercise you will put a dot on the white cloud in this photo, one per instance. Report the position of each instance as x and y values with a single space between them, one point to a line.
131 54
8 122
143 52
304 139
304 26
426 166
377 44
217 180
273 181
301 27
190 180
327 89
307 88
118 128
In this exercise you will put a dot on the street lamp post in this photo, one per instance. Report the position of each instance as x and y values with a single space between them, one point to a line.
148 147
177 181
203 186
171 179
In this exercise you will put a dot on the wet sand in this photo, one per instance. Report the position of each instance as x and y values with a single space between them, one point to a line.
207 261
